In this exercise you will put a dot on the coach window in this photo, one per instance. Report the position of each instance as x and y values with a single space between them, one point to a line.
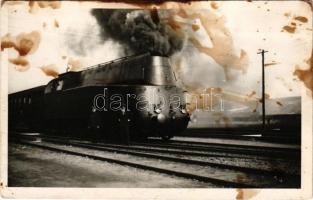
24 100
29 100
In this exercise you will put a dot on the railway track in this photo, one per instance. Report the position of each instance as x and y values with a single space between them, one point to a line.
211 149
228 148
166 156
217 182
204 149
200 155
145 147
227 145
160 155
274 136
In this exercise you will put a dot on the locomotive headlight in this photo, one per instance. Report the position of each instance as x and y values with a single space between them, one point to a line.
184 111
161 118
157 110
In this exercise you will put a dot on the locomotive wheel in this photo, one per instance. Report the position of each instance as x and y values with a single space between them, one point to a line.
166 137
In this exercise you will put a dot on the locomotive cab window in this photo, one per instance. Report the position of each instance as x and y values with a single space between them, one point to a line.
54 85
49 87
59 85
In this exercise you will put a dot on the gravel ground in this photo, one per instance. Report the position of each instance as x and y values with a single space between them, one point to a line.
33 167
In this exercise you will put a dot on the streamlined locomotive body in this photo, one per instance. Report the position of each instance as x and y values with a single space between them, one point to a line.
133 97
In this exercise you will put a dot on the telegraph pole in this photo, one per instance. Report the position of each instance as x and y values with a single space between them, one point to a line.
263 88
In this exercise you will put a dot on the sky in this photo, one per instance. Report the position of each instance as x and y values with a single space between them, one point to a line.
70 36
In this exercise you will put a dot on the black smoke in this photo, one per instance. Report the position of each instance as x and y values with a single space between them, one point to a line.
140 31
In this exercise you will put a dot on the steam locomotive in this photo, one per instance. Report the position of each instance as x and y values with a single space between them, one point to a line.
133 97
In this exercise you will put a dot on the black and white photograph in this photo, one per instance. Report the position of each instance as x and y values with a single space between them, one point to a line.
146 95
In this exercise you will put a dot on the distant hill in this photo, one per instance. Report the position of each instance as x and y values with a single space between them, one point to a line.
239 115
281 106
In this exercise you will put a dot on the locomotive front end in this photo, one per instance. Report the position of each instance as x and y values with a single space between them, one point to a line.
167 115
134 97
162 105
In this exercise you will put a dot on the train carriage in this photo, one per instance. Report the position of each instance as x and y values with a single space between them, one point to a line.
26 109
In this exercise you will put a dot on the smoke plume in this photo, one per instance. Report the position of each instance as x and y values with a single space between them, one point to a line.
139 30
